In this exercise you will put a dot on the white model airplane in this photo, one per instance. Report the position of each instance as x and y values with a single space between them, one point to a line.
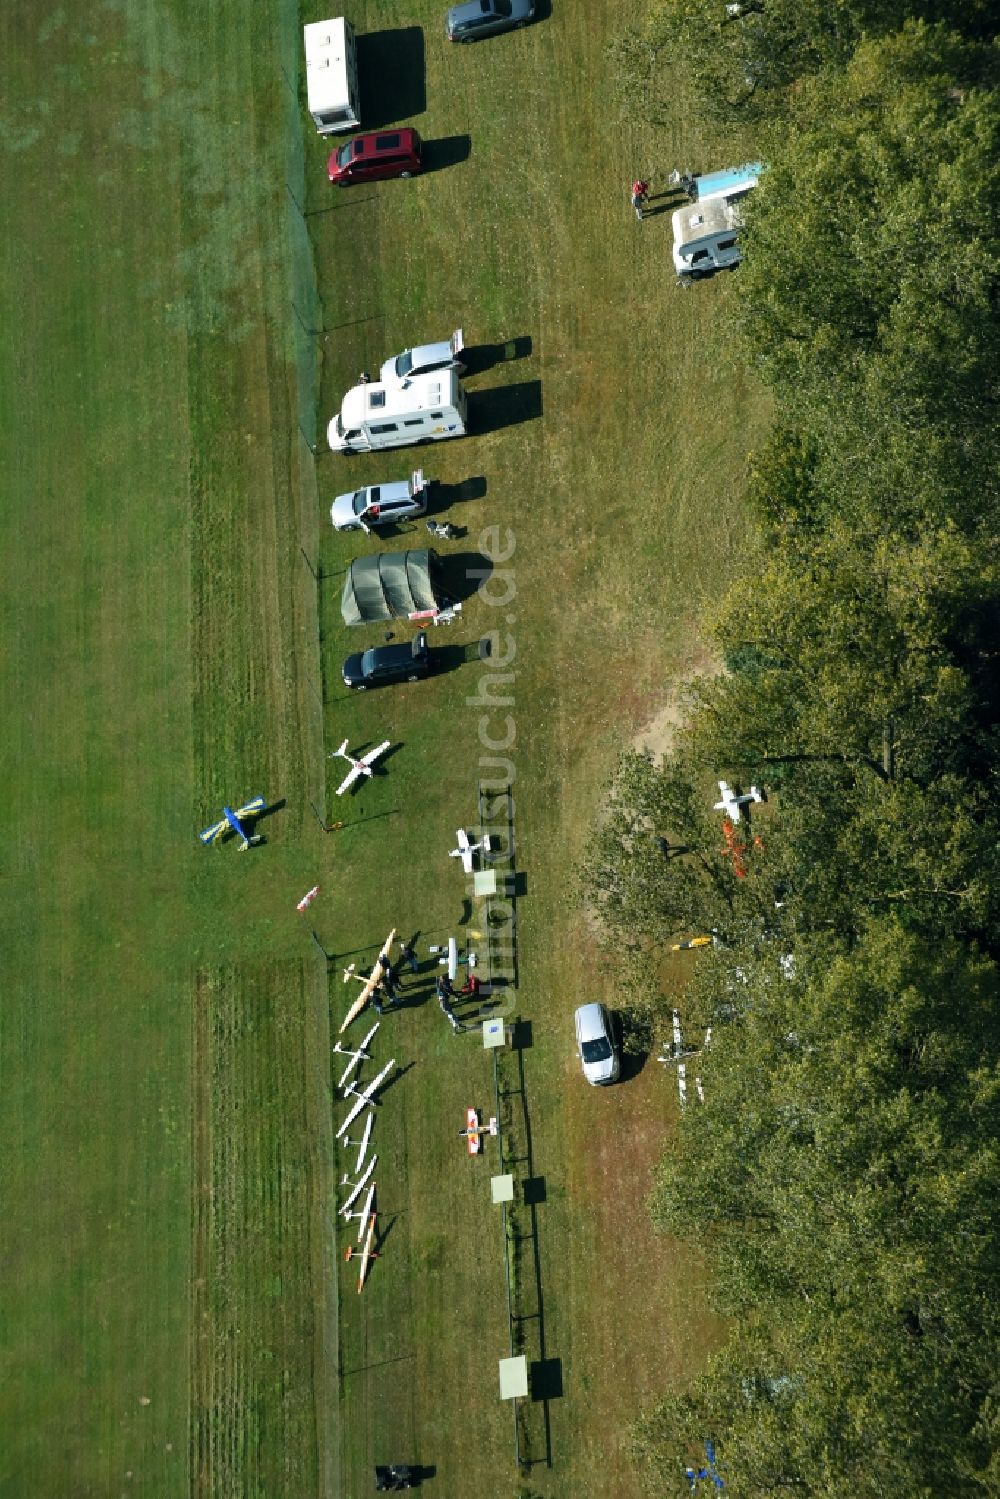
731 803
365 1100
368 985
465 849
357 1188
362 767
361 1055
365 1212
362 1145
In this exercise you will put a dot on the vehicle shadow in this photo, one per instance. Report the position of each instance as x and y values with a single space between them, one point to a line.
392 74
447 151
482 357
457 494
505 406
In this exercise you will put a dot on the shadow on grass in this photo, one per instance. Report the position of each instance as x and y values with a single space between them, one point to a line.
478 358
463 573
391 73
505 406
448 151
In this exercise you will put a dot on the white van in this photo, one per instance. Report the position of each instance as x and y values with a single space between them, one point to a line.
376 415
332 75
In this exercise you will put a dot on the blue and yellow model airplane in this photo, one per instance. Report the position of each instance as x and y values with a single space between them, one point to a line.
231 819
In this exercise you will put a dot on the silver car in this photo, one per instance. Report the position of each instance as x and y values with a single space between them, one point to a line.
595 1041
475 18
381 504
424 360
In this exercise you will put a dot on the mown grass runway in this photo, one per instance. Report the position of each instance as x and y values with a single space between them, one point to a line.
169 1296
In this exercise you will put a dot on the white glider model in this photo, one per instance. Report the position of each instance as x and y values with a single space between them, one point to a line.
365 1100
357 1189
359 768
362 1145
361 1055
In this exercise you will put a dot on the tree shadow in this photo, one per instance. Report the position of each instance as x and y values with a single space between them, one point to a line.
505 406
478 358
391 74
447 151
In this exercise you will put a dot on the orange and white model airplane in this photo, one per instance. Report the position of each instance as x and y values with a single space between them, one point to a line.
474 1131
368 985
359 768
466 850
731 803
367 1254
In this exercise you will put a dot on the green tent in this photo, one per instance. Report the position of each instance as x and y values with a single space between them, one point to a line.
391 585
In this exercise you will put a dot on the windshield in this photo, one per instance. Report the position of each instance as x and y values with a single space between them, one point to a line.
404 364
597 1051
344 155
360 501
368 663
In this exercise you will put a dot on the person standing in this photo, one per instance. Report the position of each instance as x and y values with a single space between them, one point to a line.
640 192
407 956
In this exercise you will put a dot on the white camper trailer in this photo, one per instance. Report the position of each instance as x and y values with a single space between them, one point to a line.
706 231
374 415
332 75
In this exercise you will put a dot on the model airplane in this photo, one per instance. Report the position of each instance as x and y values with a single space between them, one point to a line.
367 1254
731 803
365 1213
474 1131
368 985
465 849
359 768
233 820
361 1055
365 1100
357 1189
362 1146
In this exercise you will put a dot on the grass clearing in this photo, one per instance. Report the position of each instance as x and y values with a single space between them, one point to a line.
619 498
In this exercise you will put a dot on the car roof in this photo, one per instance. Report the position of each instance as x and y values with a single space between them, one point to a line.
373 141
591 1021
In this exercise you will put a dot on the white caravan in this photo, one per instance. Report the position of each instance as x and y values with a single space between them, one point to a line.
376 415
706 232
332 75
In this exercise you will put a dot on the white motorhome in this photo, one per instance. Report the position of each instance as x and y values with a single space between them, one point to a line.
332 75
375 415
706 231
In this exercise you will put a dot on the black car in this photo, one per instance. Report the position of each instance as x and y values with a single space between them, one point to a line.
389 663
476 18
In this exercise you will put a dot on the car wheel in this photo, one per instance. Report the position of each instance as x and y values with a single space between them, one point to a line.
361 687
406 174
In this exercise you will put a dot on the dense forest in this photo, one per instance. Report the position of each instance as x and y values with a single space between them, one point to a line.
843 1174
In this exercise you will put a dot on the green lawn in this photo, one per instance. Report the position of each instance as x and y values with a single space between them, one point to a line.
169 1306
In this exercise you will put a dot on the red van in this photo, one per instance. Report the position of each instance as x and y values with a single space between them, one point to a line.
383 153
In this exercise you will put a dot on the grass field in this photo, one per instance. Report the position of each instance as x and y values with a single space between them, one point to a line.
170 1299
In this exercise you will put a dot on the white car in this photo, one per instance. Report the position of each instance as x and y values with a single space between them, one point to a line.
595 1041
381 504
424 360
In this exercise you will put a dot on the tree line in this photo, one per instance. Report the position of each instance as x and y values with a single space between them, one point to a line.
843 1173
